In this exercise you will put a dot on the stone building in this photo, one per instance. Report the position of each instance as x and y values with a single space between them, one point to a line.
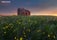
22 11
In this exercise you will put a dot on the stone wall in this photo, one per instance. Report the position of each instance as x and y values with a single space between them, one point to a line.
22 11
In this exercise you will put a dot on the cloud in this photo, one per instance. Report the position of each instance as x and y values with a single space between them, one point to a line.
5 1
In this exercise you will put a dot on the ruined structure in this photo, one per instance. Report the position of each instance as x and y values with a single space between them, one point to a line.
22 11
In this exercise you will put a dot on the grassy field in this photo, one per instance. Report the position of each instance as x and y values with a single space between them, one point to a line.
28 28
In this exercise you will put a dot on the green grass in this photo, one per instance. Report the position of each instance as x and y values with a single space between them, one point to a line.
28 28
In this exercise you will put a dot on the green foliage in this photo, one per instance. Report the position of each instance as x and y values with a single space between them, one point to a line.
28 28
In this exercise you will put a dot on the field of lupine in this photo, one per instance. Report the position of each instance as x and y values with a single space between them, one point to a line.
28 28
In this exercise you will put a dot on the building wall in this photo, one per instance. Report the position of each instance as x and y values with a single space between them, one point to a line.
22 11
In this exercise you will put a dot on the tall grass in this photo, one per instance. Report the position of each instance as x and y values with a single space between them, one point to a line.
28 28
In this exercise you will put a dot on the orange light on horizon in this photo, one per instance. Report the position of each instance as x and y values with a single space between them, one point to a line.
41 13
8 14
45 13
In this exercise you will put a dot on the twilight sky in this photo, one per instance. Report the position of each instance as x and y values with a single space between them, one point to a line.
37 7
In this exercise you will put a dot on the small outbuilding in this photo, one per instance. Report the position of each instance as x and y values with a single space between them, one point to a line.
22 11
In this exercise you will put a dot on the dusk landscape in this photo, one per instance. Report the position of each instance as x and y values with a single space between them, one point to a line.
28 19
37 7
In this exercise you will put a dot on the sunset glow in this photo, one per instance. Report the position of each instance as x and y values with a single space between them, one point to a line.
36 7
44 14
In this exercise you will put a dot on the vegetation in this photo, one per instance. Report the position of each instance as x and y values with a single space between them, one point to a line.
28 28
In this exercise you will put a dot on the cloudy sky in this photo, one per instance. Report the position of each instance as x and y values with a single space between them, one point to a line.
37 7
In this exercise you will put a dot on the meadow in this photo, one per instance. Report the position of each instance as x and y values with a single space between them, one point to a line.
28 28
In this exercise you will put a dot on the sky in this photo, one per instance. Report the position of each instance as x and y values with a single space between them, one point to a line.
36 7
